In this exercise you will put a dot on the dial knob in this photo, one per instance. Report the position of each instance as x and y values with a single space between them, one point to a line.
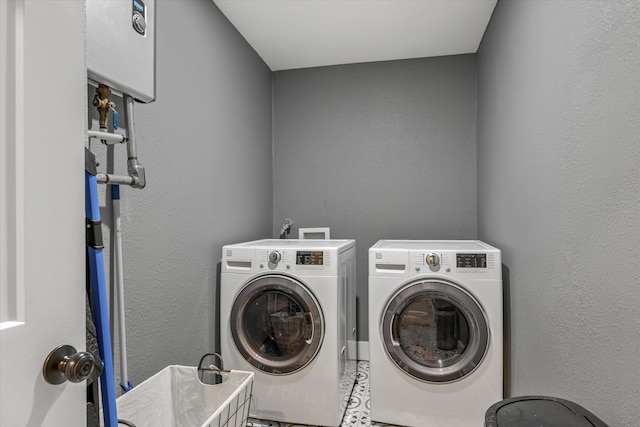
139 24
275 257
433 260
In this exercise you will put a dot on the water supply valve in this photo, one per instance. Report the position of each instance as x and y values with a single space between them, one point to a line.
102 103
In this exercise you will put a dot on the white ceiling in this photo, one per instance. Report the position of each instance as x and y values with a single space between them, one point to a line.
290 34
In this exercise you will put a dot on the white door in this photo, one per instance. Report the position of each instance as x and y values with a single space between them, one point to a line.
42 255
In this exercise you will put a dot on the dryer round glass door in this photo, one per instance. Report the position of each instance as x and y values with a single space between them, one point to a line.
277 324
435 331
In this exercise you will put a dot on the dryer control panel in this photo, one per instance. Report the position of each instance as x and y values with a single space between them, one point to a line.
481 264
469 259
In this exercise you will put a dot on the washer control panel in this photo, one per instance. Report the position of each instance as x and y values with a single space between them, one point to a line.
302 257
456 263
478 261
309 258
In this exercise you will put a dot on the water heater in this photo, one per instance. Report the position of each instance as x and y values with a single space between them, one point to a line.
121 46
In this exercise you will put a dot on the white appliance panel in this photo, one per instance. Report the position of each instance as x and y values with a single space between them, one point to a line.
121 45
400 398
317 393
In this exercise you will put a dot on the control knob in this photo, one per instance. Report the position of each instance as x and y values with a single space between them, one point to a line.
139 24
433 260
275 257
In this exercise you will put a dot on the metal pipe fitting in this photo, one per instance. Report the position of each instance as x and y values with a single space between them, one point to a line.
106 178
134 168
102 103
107 138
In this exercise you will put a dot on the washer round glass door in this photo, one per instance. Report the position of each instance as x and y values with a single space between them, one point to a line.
277 324
435 331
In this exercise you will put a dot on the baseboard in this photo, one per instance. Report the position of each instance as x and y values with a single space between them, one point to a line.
363 350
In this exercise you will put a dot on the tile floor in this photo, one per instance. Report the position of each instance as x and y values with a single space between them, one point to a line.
357 413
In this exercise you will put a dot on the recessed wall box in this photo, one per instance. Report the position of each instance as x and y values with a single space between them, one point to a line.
318 233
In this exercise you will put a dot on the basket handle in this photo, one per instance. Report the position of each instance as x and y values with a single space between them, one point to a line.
217 356
211 368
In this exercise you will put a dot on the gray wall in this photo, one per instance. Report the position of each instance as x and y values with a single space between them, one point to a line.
388 150
206 146
377 151
559 193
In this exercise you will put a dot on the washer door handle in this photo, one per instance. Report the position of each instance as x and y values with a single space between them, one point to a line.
309 318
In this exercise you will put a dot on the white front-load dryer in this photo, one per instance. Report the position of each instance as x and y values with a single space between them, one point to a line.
435 332
287 313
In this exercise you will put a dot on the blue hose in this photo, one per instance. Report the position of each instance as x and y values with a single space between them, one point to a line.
100 306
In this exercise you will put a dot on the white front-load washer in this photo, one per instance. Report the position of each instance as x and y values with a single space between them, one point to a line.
435 332
287 313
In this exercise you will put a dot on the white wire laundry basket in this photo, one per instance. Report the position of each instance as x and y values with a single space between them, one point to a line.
175 397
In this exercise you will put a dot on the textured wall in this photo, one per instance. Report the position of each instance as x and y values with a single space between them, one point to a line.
377 151
559 193
206 146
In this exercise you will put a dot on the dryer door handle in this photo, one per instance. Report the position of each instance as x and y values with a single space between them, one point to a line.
309 318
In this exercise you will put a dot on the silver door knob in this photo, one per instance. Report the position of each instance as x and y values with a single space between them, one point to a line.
64 363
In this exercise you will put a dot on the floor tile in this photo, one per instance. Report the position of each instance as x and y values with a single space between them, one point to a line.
357 413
